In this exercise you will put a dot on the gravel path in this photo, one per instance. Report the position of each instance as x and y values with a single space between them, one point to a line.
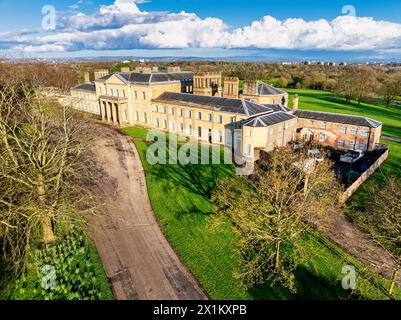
139 261
359 244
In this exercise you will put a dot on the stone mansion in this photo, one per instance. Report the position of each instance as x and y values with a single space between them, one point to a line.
203 106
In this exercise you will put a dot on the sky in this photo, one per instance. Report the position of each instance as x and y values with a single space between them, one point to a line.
268 29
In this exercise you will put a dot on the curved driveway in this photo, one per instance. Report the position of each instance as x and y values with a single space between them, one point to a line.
138 260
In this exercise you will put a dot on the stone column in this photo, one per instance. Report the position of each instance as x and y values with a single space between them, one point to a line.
114 106
110 112
103 110
120 114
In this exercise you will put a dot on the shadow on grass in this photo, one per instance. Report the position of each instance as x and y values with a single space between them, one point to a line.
194 178
309 287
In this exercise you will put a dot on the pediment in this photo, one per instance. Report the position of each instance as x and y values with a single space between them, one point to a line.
116 79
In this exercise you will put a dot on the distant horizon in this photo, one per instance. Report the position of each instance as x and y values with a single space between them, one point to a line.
265 31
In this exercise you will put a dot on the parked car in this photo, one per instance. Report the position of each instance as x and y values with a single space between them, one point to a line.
352 156
316 154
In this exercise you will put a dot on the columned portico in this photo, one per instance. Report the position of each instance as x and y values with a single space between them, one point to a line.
114 109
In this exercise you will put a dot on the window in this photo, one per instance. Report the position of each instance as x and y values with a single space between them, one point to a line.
200 132
322 137
323 125
180 112
136 115
172 126
111 91
343 130
156 108
365 133
220 136
189 114
341 143
164 124
362 146
248 149
353 130
351 144
209 117
232 119
172 111
145 117
190 130
219 119
199 115
164 110
124 93
136 94
118 93
144 95
157 122
181 127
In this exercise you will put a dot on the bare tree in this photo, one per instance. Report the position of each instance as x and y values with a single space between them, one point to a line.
383 220
43 168
390 88
268 211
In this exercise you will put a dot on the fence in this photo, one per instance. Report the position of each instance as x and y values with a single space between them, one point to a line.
364 176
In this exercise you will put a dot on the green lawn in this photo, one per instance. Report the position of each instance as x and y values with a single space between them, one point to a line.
180 199
329 102
392 166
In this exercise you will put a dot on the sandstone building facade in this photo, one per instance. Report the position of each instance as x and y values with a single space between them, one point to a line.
201 106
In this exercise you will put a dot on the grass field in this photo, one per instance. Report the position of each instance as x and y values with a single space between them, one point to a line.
329 102
392 166
180 199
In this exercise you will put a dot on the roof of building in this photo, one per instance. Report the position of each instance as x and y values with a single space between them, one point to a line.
338 118
154 77
265 89
269 119
88 86
237 106
278 107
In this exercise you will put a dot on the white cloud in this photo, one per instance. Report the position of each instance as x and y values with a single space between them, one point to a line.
124 26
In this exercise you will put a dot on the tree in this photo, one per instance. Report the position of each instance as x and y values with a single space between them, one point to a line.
356 83
383 220
268 211
282 82
390 88
43 168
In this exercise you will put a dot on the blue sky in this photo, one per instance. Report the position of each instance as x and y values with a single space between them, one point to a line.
16 16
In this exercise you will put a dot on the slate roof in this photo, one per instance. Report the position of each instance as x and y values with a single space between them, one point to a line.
89 86
236 106
154 77
268 119
265 89
338 118
278 107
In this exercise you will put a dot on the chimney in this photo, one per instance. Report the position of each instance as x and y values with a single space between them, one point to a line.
125 69
86 77
173 69
101 73
146 70
231 87
250 88
295 103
